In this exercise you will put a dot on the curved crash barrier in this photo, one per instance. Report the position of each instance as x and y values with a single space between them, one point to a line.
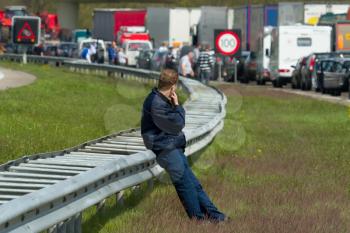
50 191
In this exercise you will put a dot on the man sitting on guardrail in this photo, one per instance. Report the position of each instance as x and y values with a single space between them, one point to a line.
163 119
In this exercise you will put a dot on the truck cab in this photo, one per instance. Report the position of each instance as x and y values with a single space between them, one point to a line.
132 49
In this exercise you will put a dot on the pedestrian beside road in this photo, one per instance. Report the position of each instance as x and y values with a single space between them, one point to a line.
205 64
163 119
185 65
122 59
112 53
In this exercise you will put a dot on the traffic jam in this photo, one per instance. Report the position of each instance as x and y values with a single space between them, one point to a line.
299 45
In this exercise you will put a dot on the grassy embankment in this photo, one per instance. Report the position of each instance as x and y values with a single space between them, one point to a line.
63 109
282 164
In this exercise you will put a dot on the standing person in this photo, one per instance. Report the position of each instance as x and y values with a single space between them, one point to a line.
85 54
185 65
163 48
92 53
163 119
205 64
122 59
170 60
112 53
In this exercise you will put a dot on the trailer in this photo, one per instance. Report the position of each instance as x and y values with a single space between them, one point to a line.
289 43
251 20
263 56
290 13
170 25
107 23
211 18
312 12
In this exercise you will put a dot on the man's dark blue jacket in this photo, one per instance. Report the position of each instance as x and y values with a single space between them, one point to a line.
162 124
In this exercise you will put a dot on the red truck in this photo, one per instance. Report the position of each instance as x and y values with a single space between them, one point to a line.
50 24
120 25
6 20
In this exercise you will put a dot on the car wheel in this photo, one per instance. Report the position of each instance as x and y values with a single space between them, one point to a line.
276 83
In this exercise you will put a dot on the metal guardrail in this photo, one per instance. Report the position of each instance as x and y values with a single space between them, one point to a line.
50 191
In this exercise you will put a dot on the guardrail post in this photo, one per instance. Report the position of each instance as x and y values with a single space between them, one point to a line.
62 227
101 204
150 185
70 225
120 197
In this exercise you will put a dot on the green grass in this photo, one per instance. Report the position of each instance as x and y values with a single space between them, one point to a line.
63 109
281 164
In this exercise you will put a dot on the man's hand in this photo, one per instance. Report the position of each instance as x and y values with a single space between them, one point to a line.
174 98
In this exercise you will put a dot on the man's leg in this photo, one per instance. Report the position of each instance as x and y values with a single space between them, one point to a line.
173 163
205 203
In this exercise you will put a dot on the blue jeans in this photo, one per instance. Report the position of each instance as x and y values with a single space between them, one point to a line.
192 196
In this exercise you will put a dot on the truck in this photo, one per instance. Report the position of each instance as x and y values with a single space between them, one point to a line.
291 42
341 29
252 19
108 23
313 12
169 25
290 13
6 20
213 18
50 25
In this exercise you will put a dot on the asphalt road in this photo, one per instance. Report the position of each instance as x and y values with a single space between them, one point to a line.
13 79
343 99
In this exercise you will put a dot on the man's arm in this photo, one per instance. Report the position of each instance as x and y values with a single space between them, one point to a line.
169 120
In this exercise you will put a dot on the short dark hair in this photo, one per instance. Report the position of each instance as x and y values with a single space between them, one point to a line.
168 78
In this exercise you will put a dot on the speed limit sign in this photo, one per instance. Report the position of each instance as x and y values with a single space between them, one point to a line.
228 42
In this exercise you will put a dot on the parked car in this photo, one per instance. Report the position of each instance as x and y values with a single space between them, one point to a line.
144 59
250 68
158 60
68 49
296 75
308 71
50 50
333 75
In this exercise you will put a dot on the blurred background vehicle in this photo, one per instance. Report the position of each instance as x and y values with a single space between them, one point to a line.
143 60
68 49
333 75
158 60
296 75
132 49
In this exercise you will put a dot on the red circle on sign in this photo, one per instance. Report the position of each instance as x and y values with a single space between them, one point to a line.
238 45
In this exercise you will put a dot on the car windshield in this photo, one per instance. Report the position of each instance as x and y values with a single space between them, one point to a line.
138 46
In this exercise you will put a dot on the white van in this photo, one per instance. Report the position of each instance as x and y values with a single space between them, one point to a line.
289 43
100 46
132 49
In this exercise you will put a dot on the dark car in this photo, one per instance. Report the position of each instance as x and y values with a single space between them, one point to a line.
296 75
67 49
308 71
250 68
158 60
333 75
228 66
143 60
50 50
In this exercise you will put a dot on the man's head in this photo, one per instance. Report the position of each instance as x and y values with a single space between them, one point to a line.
168 80
190 54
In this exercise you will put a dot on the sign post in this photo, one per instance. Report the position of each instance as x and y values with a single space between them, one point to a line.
26 32
228 43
